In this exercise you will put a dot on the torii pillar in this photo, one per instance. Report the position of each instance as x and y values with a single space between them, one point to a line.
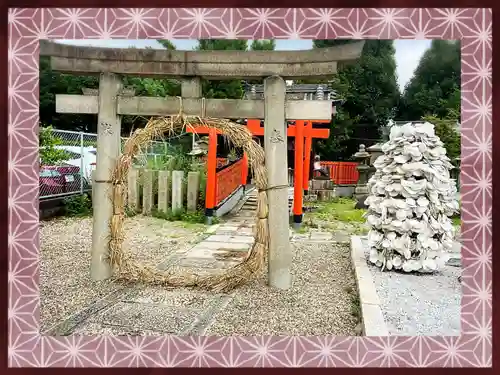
275 147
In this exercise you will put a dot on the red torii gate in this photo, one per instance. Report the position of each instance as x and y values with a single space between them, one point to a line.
303 132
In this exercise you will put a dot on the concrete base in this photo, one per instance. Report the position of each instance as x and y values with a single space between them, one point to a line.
373 321
344 191
230 203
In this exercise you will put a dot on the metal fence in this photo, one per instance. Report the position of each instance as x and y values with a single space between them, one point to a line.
68 158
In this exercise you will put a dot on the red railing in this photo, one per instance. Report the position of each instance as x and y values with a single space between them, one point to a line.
228 180
342 172
220 161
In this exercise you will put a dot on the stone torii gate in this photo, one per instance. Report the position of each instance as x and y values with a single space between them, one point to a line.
190 66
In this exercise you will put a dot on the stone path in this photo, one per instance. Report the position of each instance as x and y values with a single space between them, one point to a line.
227 243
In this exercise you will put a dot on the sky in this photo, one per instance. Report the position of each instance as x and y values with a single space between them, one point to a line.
408 51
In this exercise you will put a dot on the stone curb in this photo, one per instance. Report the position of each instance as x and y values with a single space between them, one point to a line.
371 313
242 202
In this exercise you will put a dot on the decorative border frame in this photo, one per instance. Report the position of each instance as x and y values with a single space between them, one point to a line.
27 348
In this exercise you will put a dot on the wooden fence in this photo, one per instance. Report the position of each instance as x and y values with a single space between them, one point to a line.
164 190
342 172
174 191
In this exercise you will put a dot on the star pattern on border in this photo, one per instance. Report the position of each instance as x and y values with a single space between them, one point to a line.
27 26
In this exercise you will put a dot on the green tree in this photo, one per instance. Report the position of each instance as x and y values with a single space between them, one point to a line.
370 95
447 130
49 154
167 44
225 89
263 45
435 87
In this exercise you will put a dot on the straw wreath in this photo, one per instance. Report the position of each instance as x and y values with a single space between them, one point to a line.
129 269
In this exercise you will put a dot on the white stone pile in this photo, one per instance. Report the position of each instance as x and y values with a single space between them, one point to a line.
411 200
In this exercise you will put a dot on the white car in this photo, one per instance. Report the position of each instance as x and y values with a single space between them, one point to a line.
87 159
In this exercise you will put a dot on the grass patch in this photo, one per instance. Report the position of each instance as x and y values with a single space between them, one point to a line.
184 218
456 220
355 306
339 209
304 227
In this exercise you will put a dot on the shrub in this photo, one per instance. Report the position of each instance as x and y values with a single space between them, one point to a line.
78 205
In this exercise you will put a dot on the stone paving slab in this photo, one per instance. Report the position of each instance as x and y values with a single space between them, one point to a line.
193 262
211 264
321 236
230 239
227 228
200 253
242 246
154 310
242 220
246 214
152 317
176 298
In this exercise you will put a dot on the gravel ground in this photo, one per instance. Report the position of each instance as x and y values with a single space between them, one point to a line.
320 301
414 304
65 284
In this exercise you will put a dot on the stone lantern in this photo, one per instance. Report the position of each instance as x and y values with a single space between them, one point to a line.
361 191
375 151
199 151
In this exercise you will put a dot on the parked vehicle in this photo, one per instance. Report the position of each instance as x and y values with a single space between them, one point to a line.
51 182
60 179
86 159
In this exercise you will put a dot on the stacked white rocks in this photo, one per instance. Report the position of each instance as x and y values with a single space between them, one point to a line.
411 200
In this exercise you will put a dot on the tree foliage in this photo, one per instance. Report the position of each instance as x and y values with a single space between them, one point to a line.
435 86
433 93
370 95
167 44
447 130
49 154
263 45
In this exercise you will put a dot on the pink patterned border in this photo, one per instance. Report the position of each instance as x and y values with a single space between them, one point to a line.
473 26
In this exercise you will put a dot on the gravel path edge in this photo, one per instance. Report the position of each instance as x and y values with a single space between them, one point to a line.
372 319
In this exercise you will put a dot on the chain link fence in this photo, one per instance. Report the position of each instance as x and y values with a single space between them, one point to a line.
67 159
